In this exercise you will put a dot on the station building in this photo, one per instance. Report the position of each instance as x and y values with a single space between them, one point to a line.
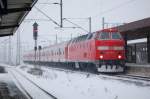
137 38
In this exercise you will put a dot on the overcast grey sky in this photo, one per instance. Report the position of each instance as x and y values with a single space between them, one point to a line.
115 11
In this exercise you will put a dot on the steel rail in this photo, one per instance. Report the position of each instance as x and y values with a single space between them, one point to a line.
26 92
49 94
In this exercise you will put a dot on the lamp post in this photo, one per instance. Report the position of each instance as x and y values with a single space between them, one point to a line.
9 57
61 14
90 24
5 59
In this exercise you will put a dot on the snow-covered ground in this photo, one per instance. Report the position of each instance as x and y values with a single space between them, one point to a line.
72 85
13 91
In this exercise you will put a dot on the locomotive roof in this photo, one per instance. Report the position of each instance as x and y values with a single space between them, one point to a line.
108 30
81 38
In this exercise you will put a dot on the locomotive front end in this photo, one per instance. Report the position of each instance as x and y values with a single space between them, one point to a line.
110 52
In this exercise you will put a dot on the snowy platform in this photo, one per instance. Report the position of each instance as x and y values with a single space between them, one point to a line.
138 69
8 89
137 65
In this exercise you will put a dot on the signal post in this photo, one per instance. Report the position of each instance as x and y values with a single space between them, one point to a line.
35 35
36 70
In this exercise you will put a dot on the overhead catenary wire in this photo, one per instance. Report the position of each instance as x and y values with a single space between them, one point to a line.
41 6
26 20
76 25
47 16
66 19
77 18
114 8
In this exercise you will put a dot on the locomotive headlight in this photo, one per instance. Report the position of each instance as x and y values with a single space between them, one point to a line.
118 48
119 56
103 47
101 56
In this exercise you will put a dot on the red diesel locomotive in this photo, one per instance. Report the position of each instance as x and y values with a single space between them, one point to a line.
102 51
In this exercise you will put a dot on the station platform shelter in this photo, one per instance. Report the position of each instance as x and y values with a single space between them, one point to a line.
137 39
12 13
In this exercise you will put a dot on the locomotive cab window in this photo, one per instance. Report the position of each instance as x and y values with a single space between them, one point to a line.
115 35
104 36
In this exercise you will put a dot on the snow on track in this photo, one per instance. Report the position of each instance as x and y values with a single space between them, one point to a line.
34 91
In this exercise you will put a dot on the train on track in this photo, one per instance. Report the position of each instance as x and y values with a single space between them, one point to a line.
101 51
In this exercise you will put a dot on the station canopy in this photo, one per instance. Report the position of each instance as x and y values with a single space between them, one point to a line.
12 13
137 29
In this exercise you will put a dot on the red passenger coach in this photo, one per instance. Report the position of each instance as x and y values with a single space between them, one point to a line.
101 51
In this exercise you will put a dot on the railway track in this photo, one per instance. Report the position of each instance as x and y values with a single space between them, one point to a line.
24 90
30 97
120 76
135 77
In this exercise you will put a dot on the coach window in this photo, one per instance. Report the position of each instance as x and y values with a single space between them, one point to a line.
89 36
83 45
90 47
94 35
52 53
59 51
